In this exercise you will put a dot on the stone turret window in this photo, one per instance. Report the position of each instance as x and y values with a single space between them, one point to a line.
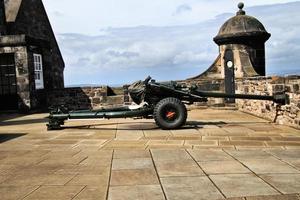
38 71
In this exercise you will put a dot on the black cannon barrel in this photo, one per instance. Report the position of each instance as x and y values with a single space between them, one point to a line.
235 96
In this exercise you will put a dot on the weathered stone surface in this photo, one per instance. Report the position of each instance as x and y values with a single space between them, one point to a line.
275 197
223 167
249 154
266 85
77 158
285 183
177 188
15 192
132 163
133 177
92 181
178 168
92 193
269 165
170 155
131 154
209 155
141 192
241 185
55 192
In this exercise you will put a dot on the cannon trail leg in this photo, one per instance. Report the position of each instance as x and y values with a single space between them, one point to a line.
55 124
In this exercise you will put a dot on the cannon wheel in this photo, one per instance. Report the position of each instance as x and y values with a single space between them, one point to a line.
170 113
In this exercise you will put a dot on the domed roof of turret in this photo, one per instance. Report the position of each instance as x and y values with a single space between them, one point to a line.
241 27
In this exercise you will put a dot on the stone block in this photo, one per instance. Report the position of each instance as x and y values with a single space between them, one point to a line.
134 177
204 155
96 100
285 183
269 165
183 168
55 192
190 188
143 192
132 163
241 185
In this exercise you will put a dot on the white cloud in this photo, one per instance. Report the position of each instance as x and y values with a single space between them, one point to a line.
88 16
182 9
121 55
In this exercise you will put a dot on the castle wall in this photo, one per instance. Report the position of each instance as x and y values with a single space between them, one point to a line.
288 114
82 97
32 21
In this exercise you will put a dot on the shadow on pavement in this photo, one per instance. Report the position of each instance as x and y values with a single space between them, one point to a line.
24 121
11 136
142 125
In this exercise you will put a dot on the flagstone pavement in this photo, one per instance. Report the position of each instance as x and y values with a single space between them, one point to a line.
219 154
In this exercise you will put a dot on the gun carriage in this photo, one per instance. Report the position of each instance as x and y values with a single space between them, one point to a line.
165 102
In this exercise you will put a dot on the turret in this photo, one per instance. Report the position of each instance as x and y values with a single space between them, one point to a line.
244 36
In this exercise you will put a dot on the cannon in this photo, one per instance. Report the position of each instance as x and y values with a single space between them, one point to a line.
165 102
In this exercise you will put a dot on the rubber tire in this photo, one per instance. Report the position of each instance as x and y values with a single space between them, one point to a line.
175 104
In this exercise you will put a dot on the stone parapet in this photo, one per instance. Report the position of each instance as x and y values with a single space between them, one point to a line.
78 97
288 114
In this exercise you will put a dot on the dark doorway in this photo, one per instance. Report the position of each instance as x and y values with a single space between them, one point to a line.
229 75
8 83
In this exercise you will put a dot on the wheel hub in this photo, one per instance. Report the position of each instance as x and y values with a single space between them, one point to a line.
170 114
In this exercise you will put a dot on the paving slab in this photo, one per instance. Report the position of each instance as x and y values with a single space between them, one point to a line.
131 154
163 142
169 146
269 166
92 193
275 197
248 143
202 143
132 163
209 155
157 134
90 158
170 155
178 188
126 144
92 181
55 192
249 154
129 134
15 192
217 138
133 177
178 168
241 185
286 155
84 169
141 192
223 167
285 183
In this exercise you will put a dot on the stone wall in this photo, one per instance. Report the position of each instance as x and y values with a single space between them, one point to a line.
32 20
82 97
212 85
288 114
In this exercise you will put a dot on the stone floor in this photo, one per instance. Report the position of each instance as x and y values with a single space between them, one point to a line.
219 154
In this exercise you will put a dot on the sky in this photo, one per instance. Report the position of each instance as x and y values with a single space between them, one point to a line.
116 42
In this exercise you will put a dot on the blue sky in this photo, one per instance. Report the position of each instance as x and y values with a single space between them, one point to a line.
117 41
